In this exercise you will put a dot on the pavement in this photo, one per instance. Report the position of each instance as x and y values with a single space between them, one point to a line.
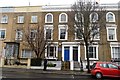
63 72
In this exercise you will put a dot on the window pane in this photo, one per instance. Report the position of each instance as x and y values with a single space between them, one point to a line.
3 34
92 52
20 19
62 33
110 17
79 34
4 19
51 51
34 19
48 33
111 33
49 18
33 34
18 34
63 17
26 53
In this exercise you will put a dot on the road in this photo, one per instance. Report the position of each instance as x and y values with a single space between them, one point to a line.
18 74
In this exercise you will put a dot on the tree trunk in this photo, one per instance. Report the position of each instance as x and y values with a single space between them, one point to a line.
88 62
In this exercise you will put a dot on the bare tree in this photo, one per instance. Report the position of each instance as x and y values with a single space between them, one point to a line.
34 36
86 23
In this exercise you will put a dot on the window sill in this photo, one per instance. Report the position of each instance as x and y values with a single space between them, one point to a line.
48 22
20 23
92 59
55 58
111 40
2 39
63 22
78 39
4 23
33 22
62 39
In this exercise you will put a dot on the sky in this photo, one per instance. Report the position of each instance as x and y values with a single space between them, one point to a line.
4 3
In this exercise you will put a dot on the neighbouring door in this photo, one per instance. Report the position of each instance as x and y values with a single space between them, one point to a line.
66 53
75 53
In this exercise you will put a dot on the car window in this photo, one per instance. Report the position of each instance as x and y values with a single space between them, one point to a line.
104 65
113 66
93 66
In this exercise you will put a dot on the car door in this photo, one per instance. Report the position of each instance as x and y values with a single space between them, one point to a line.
114 71
105 69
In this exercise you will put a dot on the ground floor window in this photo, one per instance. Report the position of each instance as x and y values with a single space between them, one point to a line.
51 51
93 52
11 50
116 52
26 53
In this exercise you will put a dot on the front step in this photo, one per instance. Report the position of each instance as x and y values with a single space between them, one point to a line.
76 65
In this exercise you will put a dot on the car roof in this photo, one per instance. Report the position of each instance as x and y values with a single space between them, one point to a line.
103 62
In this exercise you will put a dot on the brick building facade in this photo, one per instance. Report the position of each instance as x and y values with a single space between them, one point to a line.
66 50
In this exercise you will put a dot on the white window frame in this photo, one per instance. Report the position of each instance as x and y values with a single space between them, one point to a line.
48 27
46 18
60 18
34 31
63 27
0 34
20 19
55 44
4 19
107 20
34 19
98 34
77 19
96 14
76 33
20 36
23 52
113 45
96 52
115 28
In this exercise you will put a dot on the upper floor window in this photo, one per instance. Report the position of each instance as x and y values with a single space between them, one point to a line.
20 19
78 33
33 19
49 18
110 17
111 34
93 17
4 19
63 32
2 33
33 34
48 32
18 34
95 34
79 17
63 18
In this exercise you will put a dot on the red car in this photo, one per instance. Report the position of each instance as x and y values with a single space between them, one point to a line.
102 69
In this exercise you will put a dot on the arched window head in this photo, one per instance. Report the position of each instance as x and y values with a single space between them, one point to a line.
110 17
49 18
79 17
93 17
63 18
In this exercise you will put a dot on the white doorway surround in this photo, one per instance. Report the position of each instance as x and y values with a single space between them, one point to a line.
71 52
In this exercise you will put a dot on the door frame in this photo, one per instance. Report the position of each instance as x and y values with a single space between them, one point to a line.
71 45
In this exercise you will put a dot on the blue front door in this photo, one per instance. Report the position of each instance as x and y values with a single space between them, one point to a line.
66 53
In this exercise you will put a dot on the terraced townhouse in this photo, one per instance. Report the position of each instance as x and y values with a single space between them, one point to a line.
66 49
